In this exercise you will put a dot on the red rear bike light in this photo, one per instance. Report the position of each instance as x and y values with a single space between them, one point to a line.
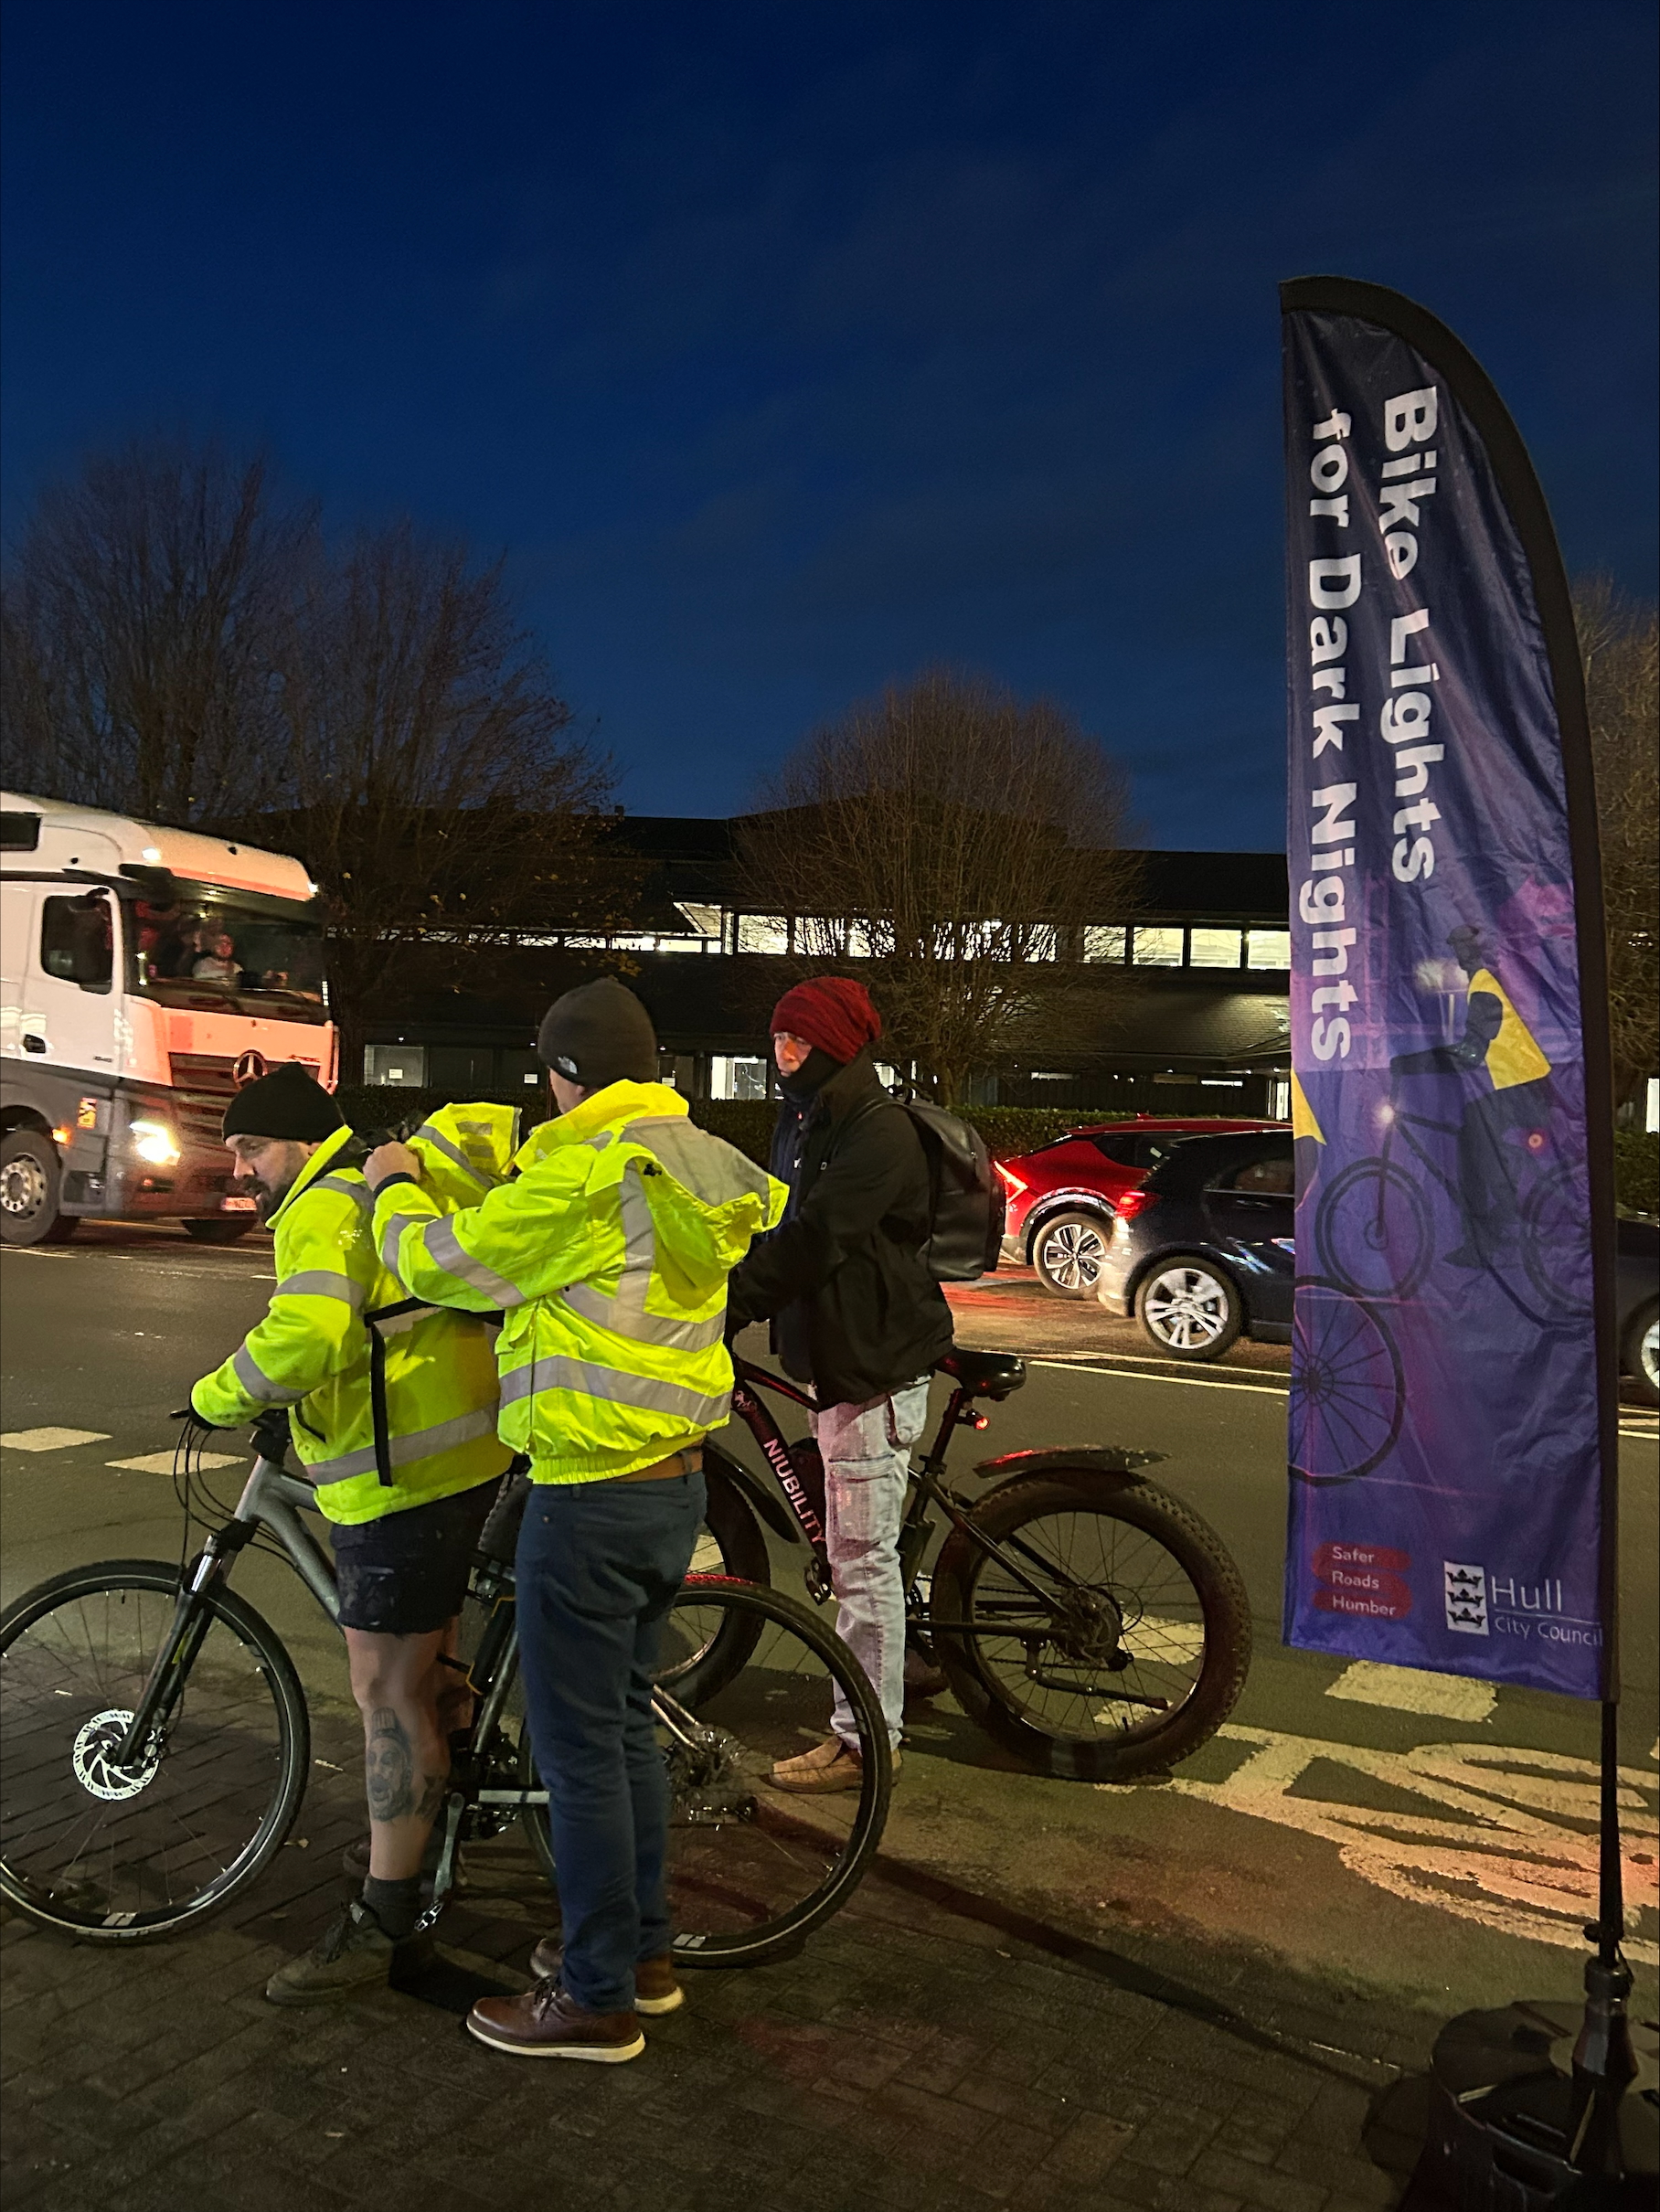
1011 1181
1135 1202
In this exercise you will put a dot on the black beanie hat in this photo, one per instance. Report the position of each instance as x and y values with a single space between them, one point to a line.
599 1034
286 1103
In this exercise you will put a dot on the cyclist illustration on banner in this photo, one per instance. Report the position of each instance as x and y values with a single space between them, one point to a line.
1498 1044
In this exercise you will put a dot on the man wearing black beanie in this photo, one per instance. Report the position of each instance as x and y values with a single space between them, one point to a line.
403 1532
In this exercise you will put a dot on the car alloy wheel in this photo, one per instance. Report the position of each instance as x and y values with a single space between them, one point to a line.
1067 1253
1189 1310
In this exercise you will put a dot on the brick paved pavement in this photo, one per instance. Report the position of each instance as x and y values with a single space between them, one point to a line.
927 2049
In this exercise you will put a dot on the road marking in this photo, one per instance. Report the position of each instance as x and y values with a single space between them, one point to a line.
1502 1864
161 1462
1410 1689
1138 1375
51 1439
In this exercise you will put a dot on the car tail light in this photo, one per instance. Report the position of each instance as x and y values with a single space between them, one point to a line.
1135 1202
1011 1181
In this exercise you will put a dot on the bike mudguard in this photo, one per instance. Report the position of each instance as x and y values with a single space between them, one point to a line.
718 1467
1097 1458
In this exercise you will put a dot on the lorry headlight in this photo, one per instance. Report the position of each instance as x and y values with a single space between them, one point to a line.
154 1141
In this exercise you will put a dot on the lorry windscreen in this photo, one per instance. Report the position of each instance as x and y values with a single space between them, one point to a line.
214 950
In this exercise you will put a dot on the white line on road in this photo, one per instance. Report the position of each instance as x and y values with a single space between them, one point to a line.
161 1463
1410 1689
1138 1374
51 1439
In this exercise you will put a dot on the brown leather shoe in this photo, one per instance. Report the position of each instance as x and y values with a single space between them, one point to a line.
656 1985
548 2023
827 1765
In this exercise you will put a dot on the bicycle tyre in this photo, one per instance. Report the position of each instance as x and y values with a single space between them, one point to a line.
1392 1276
1203 1558
109 1579
731 1523
1561 1193
783 1935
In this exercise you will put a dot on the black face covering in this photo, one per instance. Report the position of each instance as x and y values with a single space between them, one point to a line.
811 1076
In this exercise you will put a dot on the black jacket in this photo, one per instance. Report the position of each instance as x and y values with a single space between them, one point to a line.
856 1310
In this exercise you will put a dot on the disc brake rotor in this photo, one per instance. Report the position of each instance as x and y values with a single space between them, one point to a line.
92 1759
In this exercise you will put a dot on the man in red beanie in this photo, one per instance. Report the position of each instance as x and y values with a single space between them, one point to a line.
856 1312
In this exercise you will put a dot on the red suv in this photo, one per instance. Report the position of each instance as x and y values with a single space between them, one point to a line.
1063 1197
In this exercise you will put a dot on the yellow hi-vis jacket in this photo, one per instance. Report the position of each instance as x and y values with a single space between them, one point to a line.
609 1254
312 1351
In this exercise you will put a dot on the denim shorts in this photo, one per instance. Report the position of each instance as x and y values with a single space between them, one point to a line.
406 1574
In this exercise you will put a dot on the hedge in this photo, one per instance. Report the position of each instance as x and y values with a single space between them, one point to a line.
1008 1131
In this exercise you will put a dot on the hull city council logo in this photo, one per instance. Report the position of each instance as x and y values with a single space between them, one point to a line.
248 1068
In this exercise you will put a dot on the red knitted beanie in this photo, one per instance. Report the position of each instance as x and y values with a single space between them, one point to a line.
832 1012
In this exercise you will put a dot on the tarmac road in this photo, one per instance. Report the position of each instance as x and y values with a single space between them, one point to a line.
1397 1832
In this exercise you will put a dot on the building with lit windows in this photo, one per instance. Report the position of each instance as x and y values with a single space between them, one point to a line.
1202 1028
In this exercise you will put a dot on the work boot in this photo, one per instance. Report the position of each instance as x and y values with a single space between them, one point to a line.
354 1953
830 1765
922 1678
548 2023
656 1985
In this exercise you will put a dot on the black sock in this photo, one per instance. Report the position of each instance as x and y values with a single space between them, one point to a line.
396 1904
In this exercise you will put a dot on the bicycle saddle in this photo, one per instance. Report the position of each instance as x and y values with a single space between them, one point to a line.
983 1374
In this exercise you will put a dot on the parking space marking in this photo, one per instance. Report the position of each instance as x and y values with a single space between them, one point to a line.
51 1439
1410 1689
161 1463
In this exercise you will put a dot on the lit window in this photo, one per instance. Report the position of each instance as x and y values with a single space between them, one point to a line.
1158 948
1268 947
1106 944
1213 948
763 933
731 1078
1041 944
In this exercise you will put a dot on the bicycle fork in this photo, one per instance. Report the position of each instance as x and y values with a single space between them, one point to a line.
192 1615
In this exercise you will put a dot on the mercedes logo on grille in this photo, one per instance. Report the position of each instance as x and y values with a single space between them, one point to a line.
248 1068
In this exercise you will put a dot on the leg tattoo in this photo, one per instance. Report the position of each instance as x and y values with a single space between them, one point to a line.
388 1767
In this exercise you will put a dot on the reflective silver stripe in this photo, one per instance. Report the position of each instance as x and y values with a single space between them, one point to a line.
613 1386
392 1236
427 1135
395 1324
444 1249
712 1170
642 1327
258 1383
358 1192
419 1444
318 1282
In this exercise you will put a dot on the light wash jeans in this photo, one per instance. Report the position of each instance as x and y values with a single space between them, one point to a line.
867 1454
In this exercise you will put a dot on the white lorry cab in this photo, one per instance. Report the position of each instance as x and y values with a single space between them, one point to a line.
144 975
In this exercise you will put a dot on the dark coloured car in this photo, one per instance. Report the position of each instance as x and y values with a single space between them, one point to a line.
1062 1197
1637 1303
1204 1250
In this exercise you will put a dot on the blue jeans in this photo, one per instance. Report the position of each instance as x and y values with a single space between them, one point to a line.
867 1454
598 1569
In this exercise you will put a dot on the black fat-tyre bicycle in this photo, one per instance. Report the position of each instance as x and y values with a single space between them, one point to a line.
154 1742
1091 1624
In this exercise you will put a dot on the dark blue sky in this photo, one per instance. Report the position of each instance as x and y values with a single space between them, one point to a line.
789 347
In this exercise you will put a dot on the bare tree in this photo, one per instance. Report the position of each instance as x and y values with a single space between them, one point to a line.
143 612
436 789
181 645
952 845
1617 642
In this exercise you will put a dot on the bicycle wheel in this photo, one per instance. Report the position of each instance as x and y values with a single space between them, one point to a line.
1374 1232
117 1856
1132 1648
1348 1389
1556 1245
730 1547
753 1870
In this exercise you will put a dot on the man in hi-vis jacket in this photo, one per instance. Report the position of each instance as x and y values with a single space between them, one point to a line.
403 1535
608 1254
